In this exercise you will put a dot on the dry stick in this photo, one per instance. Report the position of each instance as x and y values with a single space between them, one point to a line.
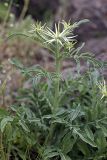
62 11
6 18
7 15
26 4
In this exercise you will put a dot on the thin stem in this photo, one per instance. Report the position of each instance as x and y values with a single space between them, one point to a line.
57 83
56 102
8 151
2 147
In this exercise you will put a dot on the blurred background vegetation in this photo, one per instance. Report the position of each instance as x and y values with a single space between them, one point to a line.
19 15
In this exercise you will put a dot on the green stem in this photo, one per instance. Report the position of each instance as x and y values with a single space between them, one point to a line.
56 102
57 90
8 151
2 147
57 83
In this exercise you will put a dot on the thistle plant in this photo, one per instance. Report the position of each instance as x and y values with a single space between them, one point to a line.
61 44
58 118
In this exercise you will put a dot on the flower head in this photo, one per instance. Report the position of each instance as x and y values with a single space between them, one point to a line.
103 88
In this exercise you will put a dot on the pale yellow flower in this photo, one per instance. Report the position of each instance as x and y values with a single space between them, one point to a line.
103 88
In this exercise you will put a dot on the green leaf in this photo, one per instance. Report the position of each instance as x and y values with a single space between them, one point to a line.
101 141
67 142
4 122
24 126
64 157
50 152
17 34
83 21
67 157
83 147
89 133
3 112
75 113
104 129
16 62
84 137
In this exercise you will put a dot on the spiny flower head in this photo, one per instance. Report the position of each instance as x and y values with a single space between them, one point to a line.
103 88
